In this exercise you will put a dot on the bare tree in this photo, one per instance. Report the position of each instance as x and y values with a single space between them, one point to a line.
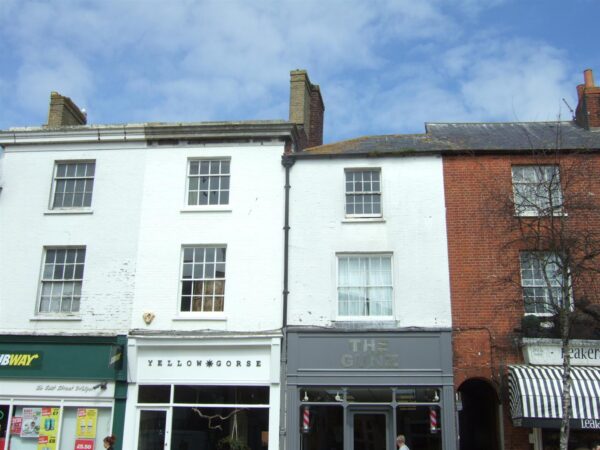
552 219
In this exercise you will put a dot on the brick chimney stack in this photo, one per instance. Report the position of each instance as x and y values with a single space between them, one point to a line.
587 114
307 109
63 112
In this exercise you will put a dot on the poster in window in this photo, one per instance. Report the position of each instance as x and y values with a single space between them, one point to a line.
31 422
16 425
84 444
86 423
48 428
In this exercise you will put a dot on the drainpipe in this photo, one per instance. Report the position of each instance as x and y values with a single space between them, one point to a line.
287 161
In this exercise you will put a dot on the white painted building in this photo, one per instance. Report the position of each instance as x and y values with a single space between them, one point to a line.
369 323
142 267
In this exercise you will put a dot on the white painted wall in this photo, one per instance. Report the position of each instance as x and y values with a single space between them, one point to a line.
251 227
413 230
135 233
109 234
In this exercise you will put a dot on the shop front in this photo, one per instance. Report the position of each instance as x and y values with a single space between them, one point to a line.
536 403
210 393
535 390
61 392
361 390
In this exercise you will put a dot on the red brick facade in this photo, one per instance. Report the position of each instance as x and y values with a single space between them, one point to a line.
486 307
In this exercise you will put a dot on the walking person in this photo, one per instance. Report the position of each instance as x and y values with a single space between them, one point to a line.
109 441
401 442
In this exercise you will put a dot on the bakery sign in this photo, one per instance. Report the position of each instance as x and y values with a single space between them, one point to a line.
549 352
204 363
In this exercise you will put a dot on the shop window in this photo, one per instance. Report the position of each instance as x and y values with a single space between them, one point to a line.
238 395
154 394
217 428
321 394
38 427
417 395
421 426
4 409
325 428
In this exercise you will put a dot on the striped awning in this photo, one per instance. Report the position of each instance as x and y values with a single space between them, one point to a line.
535 396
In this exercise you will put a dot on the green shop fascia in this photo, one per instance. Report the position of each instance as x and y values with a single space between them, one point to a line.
61 392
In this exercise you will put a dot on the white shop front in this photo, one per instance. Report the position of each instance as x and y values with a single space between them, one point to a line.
211 393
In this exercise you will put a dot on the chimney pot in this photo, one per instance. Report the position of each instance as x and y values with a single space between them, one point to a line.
588 77
587 114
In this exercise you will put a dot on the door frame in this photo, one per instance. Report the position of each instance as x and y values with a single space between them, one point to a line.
167 410
353 410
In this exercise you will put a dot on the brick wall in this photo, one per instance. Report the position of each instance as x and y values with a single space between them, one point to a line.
486 299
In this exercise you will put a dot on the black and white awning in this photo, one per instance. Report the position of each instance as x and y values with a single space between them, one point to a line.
535 396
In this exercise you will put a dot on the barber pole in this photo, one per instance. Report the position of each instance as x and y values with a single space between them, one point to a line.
433 422
306 420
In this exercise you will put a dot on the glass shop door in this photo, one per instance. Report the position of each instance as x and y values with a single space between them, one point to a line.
153 429
369 429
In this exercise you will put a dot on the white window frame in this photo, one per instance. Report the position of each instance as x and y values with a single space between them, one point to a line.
342 317
219 176
362 193
544 179
532 283
77 178
214 279
62 282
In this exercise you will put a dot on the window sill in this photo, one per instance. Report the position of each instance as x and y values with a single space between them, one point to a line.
363 220
59 212
364 319
534 215
200 209
55 319
201 316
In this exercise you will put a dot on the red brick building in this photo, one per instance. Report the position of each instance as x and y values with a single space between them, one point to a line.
488 276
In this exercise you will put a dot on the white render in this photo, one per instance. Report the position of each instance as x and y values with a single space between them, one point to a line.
108 230
412 228
134 232
250 227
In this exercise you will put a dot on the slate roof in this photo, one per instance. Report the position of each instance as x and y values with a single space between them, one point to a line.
458 137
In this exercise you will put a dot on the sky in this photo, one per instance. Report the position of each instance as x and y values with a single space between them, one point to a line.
383 66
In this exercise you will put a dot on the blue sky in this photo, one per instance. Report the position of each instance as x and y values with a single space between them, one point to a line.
384 66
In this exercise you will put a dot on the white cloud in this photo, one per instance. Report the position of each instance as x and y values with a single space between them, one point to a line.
384 65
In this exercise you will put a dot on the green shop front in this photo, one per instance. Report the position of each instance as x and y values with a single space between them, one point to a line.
61 392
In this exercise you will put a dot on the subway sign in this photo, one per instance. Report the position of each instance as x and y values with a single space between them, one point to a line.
15 360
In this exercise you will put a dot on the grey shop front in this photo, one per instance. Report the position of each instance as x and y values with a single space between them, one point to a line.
350 390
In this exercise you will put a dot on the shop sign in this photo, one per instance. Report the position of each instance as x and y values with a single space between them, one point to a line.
205 364
84 444
30 360
549 352
369 354
66 389
590 424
